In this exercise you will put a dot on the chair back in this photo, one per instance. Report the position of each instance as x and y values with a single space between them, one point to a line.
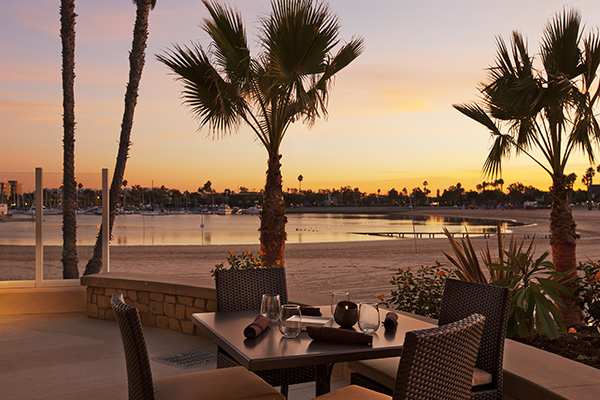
438 363
139 375
242 289
461 299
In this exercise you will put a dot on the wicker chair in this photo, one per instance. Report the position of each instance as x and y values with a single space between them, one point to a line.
460 299
242 290
436 364
233 383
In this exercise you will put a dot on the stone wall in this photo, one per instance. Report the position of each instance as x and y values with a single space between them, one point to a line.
163 301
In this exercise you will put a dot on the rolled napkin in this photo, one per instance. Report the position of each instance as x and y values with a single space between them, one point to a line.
390 322
327 334
257 326
312 311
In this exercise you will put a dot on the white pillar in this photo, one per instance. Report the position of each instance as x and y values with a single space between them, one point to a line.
105 222
39 224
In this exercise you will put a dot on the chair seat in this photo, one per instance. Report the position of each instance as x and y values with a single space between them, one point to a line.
229 383
385 370
353 392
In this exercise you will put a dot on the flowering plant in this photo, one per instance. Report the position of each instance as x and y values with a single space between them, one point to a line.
246 260
418 292
588 292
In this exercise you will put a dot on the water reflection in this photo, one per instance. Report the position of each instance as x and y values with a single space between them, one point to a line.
240 229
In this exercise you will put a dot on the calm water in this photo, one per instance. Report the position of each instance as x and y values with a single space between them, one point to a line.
194 229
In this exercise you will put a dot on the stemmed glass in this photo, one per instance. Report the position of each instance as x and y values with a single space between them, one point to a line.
336 297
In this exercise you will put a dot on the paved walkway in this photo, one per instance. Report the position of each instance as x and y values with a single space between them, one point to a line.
71 356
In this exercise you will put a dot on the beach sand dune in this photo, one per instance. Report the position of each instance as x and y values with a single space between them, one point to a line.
363 268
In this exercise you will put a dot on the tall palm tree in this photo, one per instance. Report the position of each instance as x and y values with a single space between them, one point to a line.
289 80
137 58
549 109
69 227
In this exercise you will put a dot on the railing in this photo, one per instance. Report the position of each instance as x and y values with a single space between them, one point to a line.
39 279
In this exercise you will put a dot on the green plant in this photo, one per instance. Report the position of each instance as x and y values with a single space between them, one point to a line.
588 291
535 287
246 260
418 292
468 267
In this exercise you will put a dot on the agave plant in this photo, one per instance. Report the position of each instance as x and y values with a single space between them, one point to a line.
535 287
468 267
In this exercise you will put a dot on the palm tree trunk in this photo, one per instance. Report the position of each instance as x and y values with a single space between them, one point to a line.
136 65
272 216
563 241
69 227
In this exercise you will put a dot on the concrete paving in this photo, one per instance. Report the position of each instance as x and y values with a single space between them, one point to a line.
71 356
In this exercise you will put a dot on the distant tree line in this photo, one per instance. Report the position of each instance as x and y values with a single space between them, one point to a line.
491 195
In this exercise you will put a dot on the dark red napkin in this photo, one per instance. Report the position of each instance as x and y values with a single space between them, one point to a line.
327 334
312 311
390 322
257 327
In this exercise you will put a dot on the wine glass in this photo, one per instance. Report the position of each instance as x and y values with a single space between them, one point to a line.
269 306
290 321
368 316
336 297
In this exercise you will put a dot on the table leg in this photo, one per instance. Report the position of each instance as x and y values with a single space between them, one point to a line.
323 380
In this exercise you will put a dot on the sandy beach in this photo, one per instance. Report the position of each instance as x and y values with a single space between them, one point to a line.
363 268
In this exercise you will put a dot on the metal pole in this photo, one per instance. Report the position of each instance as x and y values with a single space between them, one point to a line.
39 224
412 214
105 222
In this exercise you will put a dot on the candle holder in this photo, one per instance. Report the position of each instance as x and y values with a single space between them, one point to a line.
346 314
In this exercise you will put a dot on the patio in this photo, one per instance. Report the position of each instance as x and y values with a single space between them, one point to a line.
69 356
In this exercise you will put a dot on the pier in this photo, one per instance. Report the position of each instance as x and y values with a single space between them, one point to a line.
433 235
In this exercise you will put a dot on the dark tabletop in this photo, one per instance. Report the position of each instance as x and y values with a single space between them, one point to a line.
271 350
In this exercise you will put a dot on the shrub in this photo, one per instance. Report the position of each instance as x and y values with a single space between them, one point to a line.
418 292
535 286
246 260
588 291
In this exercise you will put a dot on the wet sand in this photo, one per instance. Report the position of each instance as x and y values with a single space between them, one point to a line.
363 268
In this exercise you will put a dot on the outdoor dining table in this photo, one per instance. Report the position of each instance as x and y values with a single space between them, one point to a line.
271 350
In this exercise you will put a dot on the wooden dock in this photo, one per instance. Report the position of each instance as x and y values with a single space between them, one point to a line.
433 235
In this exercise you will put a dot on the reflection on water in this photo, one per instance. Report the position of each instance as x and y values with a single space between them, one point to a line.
194 229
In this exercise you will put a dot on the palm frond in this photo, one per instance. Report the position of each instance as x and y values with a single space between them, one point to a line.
560 51
297 37
213 101
229 45
500 149
591 58
476 113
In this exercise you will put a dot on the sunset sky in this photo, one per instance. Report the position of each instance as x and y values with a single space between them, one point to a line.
391 123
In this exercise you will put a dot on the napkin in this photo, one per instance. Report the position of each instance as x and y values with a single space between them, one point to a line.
312 311
327 334
257 326
391 321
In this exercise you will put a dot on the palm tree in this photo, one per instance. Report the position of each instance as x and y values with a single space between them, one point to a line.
125 183
289 80
136 65
69 227
549 109
300 179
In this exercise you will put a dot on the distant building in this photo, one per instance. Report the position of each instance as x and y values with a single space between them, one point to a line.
11 192
594 192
